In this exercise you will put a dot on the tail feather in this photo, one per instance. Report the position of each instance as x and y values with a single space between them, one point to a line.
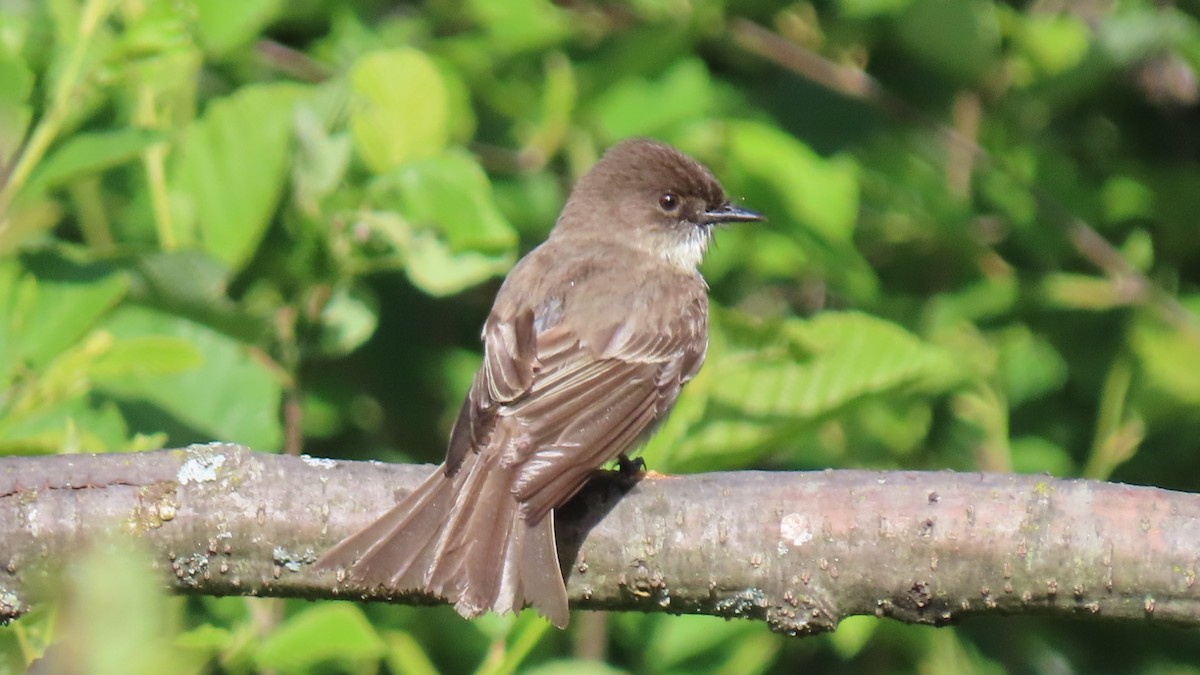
541 577
461 537
396 549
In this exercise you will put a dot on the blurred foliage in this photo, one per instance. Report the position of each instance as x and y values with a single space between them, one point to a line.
282 224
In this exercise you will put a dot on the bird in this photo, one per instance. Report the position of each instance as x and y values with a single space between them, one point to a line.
590 339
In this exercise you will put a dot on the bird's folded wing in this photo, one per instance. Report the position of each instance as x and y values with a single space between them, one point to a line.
593 398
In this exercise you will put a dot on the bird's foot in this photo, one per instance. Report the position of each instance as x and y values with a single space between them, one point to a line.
630 468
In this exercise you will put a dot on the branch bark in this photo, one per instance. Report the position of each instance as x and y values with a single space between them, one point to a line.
798 550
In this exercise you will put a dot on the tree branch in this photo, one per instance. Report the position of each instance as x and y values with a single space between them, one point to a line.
799 550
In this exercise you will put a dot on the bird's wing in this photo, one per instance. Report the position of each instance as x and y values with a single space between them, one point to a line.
592 398
509 363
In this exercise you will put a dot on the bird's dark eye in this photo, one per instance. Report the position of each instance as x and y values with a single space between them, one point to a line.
668 202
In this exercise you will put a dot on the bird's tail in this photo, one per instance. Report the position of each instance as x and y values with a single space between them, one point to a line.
461 537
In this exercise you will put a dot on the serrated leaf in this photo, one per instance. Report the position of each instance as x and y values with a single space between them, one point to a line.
329 632
856 355
400 108
231 170
810 199
761 385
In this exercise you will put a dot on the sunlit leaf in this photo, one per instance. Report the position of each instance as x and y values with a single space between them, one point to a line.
347 320
400 108
327 633
91 153
16 84
231 170
227 25
642 107
452 196
47 303
193 404
521 25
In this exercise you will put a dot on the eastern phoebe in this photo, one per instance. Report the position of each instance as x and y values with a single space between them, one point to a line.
587 345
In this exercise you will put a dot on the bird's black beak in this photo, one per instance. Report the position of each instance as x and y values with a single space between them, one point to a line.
731 214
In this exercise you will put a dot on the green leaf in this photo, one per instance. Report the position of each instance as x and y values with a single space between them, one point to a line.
960 39
674 643
757 387
522 635
16 84
194 285
1031 367
852 634
348 320
231 394
516 26
400 108
810 199
90 153
643 107
1125 198
439 216
231 170
864 9
206 637
1169 359
438 270
1055 42
574 667
325 633
819 193
77 423
146 355
1034 454
406 656
47 303
103 576
321 159
452 196
225 26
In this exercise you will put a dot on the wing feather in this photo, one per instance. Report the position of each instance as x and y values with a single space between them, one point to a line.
570 397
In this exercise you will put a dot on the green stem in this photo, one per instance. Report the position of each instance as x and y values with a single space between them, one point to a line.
1110 421
95 12
154 161
89 211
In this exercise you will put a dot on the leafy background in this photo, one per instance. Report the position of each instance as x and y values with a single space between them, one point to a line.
282 224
